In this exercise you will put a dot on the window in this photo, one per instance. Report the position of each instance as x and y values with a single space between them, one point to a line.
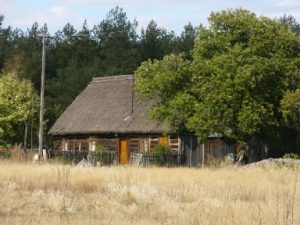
145 145
65 146
92 146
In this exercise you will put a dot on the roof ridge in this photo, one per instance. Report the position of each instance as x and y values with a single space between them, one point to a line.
112 78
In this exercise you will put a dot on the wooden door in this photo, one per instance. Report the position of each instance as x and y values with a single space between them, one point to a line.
123 152
163 141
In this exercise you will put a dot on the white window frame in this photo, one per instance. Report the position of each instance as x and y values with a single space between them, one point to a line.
92 146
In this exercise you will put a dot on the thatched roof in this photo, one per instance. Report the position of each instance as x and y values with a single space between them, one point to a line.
105 106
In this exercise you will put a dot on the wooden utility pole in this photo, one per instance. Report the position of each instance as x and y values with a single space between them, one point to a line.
41 128
31 126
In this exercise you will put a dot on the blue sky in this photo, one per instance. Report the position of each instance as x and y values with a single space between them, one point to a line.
171 14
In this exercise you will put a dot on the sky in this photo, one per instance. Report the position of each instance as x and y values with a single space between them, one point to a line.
170 14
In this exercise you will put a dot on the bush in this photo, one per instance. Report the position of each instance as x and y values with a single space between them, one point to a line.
100 149
161 149
291 156
242 153
5 152
160 154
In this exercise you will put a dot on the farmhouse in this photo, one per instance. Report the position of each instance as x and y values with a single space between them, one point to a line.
109 113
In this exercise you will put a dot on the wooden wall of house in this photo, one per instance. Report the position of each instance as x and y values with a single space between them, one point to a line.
135 144
216 150
212 152
191 149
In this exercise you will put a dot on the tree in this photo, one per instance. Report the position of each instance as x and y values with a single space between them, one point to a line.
290 106
167 81
17 100
241 67
291 22
117 43
185 43
156 42
5 48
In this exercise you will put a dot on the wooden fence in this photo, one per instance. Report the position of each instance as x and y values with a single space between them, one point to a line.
104 158
111 158
158 159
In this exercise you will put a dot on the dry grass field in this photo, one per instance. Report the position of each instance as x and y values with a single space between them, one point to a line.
54 194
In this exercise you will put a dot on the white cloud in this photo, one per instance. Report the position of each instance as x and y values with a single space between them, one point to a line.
288 3
57 10
152 5
23 16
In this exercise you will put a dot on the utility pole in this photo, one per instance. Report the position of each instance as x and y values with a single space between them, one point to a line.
42 99
41 128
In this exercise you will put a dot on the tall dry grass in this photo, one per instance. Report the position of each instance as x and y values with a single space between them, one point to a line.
54 194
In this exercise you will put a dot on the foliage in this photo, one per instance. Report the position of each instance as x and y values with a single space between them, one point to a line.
291 156
5 152
119 53
100 149
17 101
290 105
242 153
167 81
161 149
160 153
156 42
291 22
241 67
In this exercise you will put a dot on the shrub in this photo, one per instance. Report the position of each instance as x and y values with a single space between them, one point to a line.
291 156
100 149
5 152
161 149
160 154
242 153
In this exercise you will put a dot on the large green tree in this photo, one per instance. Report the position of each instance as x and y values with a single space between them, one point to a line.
241 67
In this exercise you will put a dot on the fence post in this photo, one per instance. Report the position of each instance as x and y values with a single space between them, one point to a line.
203 156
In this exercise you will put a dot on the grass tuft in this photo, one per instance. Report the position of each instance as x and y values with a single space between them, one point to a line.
56 194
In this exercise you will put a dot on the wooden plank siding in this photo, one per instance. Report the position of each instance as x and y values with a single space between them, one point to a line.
212 152
135 144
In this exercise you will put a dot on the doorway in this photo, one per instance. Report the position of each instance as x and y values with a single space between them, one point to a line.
123 152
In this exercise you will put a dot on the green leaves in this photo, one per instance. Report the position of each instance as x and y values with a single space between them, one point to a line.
163 78
290 105
241 67
241 71
17 99
167 81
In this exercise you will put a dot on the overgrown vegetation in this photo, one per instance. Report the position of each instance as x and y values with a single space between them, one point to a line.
161 149
49 194
160 154
291 156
